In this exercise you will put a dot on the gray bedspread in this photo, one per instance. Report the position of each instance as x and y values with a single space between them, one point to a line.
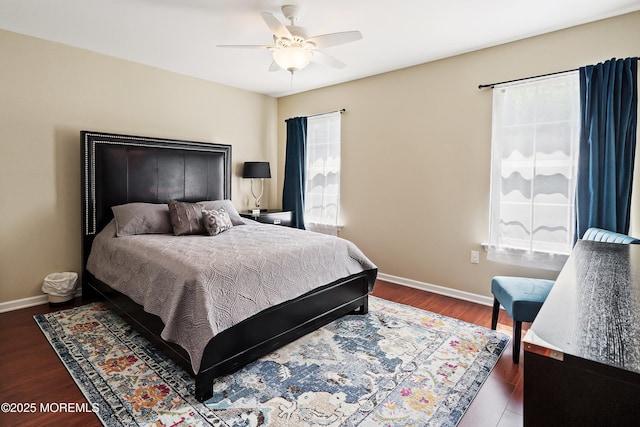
202 285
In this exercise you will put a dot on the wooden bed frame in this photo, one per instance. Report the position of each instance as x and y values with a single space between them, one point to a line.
118 169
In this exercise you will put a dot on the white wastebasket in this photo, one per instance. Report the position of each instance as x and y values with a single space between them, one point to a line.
60 286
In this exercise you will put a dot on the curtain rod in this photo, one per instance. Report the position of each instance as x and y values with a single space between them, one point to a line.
320 114
491 85
329 112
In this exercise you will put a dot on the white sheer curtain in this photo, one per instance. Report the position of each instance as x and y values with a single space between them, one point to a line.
322 197
535 141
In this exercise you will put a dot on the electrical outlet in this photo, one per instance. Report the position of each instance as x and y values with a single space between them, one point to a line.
475 257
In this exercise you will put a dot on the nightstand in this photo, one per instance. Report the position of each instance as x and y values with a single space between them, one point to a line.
272 217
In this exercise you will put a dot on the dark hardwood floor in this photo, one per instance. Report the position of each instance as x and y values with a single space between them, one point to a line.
31 372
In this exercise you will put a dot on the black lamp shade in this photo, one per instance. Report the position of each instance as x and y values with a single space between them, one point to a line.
256 170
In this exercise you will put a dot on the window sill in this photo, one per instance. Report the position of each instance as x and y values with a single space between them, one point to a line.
323 228
523 258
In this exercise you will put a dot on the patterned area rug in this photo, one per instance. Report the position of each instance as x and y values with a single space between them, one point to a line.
396 366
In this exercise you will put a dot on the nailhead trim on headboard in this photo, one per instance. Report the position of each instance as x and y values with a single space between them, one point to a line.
91 140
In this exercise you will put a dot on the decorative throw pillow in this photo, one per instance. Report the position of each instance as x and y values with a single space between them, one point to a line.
186 218
216 221
141 218
235 217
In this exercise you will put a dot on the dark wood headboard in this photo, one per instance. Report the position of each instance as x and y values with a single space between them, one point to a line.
118 169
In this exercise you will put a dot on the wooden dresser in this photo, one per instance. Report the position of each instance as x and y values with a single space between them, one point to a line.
582 353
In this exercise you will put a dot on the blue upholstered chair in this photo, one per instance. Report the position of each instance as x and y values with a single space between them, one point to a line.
600 235
522 297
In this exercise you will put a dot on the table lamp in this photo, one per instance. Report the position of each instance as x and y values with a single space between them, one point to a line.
257 170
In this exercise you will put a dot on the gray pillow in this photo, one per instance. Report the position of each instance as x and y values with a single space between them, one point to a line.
235 217
216 221
141 218
186 218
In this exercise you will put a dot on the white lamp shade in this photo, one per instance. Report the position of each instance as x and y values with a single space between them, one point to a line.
292 58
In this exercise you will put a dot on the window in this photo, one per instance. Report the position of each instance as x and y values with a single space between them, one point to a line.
322 193
535 141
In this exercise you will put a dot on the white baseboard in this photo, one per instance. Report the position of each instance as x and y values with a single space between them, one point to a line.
23 303
441 290
29 302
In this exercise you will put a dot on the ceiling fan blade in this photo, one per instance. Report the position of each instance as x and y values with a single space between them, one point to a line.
276 27
274 66
335 39
246 46
324 59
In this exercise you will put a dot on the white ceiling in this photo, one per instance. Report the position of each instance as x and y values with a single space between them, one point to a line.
181 35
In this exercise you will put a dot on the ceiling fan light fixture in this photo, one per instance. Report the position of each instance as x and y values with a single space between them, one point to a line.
292 58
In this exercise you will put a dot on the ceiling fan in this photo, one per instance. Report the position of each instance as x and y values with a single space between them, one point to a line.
293 49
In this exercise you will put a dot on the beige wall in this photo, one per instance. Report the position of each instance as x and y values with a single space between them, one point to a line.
48 94
416 146
416 150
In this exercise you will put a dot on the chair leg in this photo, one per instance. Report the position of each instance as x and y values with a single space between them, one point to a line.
494 316
517 332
